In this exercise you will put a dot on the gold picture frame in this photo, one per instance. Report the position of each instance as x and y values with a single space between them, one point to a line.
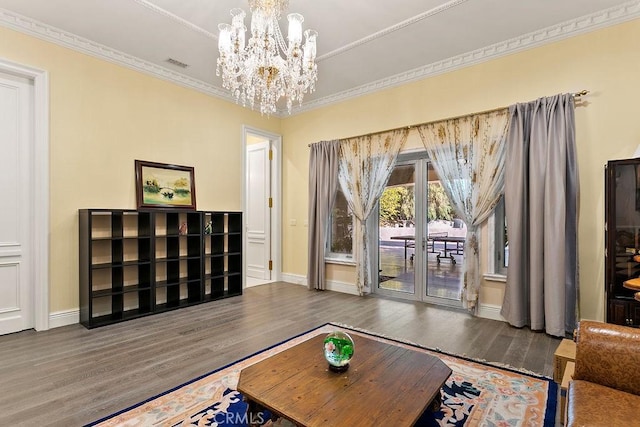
164 186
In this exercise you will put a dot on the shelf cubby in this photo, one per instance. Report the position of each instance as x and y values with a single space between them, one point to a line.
136 263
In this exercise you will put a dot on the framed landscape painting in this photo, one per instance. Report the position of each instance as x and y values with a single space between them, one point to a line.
160 185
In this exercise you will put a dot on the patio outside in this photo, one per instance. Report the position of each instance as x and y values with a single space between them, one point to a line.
444 278
444 247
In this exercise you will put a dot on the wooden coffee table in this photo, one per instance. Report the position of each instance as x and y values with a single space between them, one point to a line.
384 385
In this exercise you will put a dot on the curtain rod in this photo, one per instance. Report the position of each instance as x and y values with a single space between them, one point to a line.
575 95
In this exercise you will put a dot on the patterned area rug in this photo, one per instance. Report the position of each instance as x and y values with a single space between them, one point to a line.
476 394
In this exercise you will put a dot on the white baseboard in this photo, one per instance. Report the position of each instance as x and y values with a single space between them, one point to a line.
296 279
487 311
332 285
490 311
71 317
64 318
345 288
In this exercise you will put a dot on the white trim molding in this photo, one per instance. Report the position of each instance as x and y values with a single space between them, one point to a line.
340 260
486 311
492 277
66 39
594 21
296 279
64 318
342 287
72 317
490 311
587 23
276 195
40 200
332 285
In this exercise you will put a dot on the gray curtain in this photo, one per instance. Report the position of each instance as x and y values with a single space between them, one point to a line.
323 183
541 199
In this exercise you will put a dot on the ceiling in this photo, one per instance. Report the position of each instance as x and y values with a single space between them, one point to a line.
363 45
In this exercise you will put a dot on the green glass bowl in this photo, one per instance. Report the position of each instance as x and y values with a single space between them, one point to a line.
338 350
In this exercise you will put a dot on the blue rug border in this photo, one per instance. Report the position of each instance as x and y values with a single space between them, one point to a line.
551 407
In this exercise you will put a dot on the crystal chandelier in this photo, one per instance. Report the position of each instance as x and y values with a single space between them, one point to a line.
256 72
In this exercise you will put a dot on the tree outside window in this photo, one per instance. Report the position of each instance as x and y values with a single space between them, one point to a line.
397 206
438 204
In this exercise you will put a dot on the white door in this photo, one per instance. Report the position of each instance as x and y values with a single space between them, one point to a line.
258 212
16 118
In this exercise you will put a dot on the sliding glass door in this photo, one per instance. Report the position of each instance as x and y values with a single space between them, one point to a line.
445 244
397 234
421 242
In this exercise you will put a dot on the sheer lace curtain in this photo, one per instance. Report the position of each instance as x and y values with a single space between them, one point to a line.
468 153
366 163
323 183
541 198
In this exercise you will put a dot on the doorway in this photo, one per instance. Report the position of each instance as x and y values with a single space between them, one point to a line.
24 246
399 233
262 160
421 242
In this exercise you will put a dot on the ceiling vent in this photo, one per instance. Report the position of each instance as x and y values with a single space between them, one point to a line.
177 63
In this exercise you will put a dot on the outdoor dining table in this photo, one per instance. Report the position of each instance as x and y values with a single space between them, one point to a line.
447 252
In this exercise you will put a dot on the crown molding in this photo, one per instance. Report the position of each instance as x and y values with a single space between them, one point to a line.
69 40
604 18
587 23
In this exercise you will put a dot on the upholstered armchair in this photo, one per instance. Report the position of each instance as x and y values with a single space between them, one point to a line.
605 390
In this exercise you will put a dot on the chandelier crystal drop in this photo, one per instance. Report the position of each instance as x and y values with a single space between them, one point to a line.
264 68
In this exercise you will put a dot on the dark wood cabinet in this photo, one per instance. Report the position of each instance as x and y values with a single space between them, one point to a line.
622 239
136 263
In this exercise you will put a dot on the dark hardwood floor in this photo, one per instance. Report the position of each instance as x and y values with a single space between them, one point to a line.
70 376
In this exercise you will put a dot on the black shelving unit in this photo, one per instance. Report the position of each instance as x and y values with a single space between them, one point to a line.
178 259
622 240
223 254
136 263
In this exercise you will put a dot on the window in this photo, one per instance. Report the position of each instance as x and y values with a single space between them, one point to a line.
340 236
501 240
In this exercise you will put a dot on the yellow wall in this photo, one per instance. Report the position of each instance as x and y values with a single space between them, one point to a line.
103 117
606 62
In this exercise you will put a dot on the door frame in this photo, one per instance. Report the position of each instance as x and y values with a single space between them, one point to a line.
259 148
408 157
276 194
441 301
39 201
421 160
